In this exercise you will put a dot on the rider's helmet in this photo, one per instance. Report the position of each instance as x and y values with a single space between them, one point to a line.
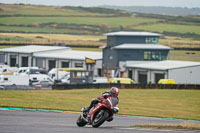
114 91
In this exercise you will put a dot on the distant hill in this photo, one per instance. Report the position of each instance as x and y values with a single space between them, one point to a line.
30 24
58 11
158 10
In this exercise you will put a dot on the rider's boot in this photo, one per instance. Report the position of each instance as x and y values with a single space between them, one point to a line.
86 109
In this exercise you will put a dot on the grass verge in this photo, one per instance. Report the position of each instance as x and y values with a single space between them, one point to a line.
184 55
184 104
21 38
183 125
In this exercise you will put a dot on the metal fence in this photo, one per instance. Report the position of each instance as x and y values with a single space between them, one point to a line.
127 86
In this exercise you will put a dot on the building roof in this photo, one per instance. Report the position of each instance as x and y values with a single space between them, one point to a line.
70 54
142 46
32 49
126 33
165 65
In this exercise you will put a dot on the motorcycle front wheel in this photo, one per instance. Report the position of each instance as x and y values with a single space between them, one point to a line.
81 122
100 118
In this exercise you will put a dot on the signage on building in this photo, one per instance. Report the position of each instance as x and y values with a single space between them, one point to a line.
90 61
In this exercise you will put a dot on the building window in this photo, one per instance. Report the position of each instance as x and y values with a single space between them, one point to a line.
80 74
99 72
147 55
5 79
154 55
152 40
78 65
65 64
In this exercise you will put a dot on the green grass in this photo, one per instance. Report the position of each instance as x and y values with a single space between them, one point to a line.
159 103
185 52
197 59
17 29
110 21
15 39
178 42
35 38
6 46
44 10
184 55
95 21
182 126
170 28
67 25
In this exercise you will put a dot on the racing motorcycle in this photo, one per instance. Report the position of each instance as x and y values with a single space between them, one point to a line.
99 113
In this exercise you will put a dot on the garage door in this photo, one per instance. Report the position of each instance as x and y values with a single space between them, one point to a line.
39 62
13 60
159 76
24 61
52 64
2 58
142 77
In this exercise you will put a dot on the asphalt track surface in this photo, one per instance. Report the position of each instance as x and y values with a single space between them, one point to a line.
52 122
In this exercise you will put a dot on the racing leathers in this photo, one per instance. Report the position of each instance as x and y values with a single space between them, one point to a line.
104 95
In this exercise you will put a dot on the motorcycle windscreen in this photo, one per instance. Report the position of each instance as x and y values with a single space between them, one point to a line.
112 101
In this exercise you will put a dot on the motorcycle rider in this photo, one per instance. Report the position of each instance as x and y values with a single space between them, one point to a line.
114 92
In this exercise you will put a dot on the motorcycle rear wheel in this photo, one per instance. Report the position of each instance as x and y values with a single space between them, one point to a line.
81 122
100 118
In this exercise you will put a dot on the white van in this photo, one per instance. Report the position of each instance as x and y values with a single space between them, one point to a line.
14 80
24 70
61 73
100 80
39 77
56 74
7 70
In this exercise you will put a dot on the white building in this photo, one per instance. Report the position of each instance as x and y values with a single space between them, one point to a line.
49 57
23 56
183 72
68 59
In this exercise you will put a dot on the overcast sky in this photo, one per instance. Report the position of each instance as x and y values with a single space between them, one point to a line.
169 3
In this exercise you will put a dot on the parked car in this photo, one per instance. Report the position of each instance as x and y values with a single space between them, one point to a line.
166 81
121 80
